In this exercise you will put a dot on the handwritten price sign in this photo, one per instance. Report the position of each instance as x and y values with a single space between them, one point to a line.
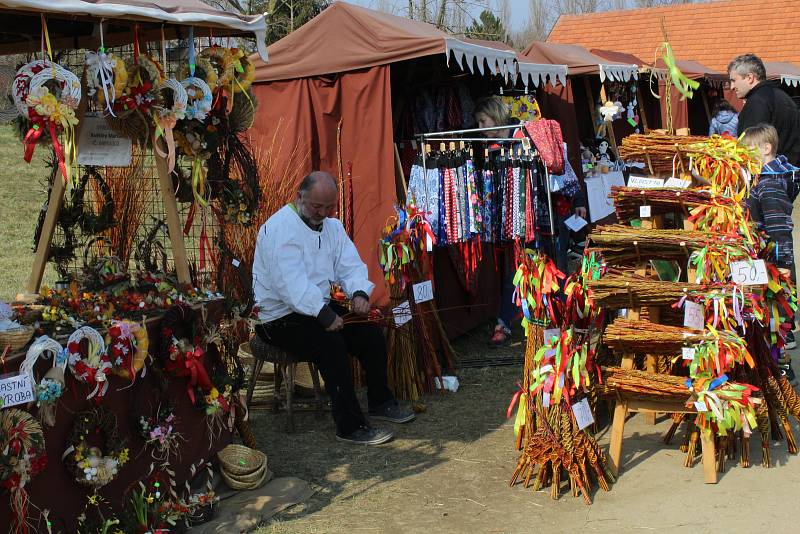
749 273
423 292
694 316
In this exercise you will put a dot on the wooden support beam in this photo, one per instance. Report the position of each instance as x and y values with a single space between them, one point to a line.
54 203
642 114
709 457
179 256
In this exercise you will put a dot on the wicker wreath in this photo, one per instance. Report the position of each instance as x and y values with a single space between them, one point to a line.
91 364
140 95
93 223
200 98
167 116
93 465
127 344
58 108
203 69
244 70
22 82
221 61
51 386
22 457
22 450
107 75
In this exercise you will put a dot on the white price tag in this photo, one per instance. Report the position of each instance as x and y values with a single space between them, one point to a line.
688 353
694 316
749 273
402 313
583 414
645 182
550 333
423 292
235 262
644 211
99 145
700 406
677 183
16 389
545 400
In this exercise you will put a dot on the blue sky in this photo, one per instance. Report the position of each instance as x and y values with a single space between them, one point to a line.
519 9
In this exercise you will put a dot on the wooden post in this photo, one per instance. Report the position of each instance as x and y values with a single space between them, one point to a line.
399 177
617 433
709 457
642 114
173 220
54 203
592 109
610 125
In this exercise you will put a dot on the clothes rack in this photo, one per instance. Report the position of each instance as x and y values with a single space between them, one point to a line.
450 135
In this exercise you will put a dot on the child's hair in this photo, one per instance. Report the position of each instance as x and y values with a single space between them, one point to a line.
722 105
760 134
495 108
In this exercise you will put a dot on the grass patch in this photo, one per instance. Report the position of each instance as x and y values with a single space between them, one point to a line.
22 193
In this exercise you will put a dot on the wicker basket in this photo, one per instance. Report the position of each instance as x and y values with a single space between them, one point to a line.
17 339
239 460
250 482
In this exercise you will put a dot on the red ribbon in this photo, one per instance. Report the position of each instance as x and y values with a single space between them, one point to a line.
514 399
34 134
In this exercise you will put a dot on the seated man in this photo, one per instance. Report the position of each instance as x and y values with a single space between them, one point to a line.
299 252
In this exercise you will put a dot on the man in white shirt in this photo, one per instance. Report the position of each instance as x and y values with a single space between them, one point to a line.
300 251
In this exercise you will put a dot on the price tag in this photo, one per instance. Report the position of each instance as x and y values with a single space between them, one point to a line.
677 183
645 182
694 316
16 389
550 333
423 292
583 414
700 406
688 353
545 400
749 273
402 313
235 262
644 211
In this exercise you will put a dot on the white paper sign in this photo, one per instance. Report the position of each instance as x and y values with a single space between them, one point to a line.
576 223
545 400
235 262
583 414
423 292
402 313
550 333
749 273
645 182
16 389
597 190
688 353
694 316
700 406
99 145
677 183
644 211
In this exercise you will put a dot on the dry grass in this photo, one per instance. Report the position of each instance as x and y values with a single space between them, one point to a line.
22 193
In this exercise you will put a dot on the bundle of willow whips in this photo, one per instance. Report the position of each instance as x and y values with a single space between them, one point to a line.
661 152
619 291
634 383
558 444
643 336
628 200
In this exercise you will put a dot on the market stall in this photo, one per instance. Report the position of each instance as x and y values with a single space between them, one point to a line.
124 375
352 83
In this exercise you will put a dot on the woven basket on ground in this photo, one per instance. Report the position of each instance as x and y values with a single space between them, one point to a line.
16 339
248 482
239 460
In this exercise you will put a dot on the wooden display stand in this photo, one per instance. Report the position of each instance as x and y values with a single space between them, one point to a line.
652 407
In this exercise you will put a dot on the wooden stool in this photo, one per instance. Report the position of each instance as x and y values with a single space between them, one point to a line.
285 364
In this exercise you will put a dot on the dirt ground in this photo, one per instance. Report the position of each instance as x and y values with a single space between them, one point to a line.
449 471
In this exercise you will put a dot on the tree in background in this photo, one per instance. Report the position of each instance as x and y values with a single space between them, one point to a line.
285 16
488 27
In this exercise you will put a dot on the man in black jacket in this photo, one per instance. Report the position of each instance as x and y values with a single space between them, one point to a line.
765 103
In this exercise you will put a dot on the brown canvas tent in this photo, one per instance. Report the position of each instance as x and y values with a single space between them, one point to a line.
573 104
328 91
694 113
